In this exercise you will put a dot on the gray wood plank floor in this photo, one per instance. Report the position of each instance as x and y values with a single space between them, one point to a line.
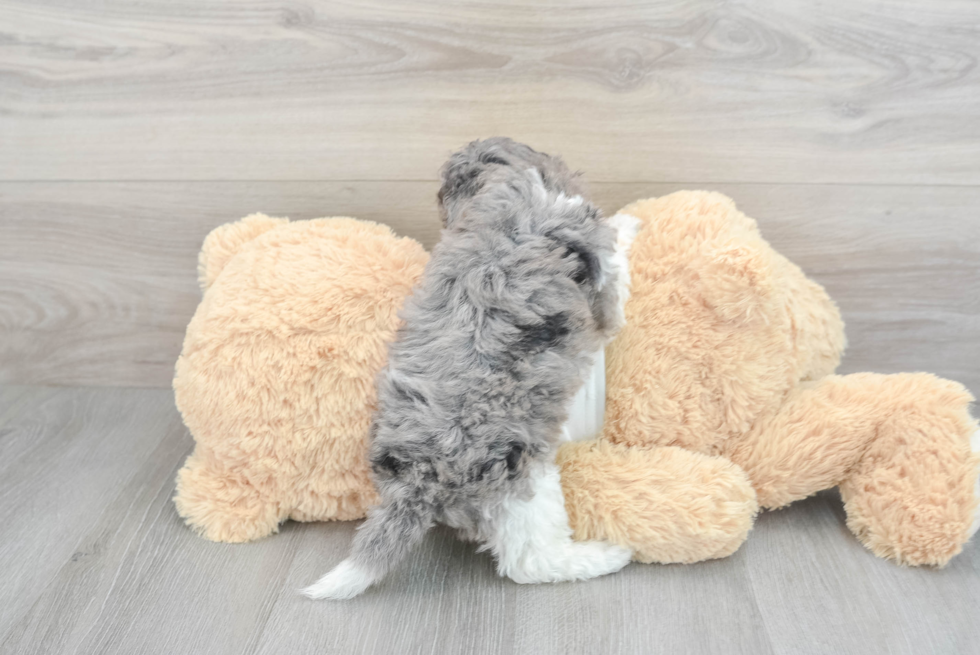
97 561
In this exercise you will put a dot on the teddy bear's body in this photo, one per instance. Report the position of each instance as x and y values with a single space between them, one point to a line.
720 393
729 350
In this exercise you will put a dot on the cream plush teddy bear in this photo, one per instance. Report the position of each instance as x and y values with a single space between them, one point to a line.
720 393
729 351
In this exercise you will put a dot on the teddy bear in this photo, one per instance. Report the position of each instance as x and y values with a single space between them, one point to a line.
720 393
729 350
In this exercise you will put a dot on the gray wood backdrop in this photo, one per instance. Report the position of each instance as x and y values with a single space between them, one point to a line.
850 130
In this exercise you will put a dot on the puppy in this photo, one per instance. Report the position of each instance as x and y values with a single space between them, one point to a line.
526 285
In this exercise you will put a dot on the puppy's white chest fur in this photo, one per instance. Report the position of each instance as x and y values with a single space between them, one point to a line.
588 408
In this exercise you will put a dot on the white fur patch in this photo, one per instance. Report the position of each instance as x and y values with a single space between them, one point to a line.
587 410
345 581
539 191
532 540
588 407
975 526
574 201
542 192
627 226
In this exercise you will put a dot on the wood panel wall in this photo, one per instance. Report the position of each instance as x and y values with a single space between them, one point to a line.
850 130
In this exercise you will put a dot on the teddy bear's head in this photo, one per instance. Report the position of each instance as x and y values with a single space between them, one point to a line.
719 327
276 377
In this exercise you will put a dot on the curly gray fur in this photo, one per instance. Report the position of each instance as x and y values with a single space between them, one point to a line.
495 340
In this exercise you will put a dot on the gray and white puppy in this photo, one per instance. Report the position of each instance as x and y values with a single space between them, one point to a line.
527 283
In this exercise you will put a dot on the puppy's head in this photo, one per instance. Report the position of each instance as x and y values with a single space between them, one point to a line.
495 160
507 192
571 261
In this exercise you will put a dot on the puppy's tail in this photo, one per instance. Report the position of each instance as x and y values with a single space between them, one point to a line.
389 533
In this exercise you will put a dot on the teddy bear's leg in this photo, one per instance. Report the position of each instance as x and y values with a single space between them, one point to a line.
811 442
914 496
222 506
898 446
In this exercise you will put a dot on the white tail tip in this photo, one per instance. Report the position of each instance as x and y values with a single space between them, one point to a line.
345 581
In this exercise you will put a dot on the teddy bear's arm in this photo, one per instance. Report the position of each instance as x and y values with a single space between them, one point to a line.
666 504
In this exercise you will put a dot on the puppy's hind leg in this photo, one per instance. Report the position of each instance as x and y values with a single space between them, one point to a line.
532 540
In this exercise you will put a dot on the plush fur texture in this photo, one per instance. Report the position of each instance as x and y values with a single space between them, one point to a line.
276 380
728 350
719 387
524 286
667 505
719 328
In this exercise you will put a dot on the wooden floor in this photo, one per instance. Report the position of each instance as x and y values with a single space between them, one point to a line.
130 128
96 560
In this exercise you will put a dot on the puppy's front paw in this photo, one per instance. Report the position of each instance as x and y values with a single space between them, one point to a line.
345 581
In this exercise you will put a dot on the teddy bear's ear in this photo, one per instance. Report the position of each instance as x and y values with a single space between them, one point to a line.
225 241
736 281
